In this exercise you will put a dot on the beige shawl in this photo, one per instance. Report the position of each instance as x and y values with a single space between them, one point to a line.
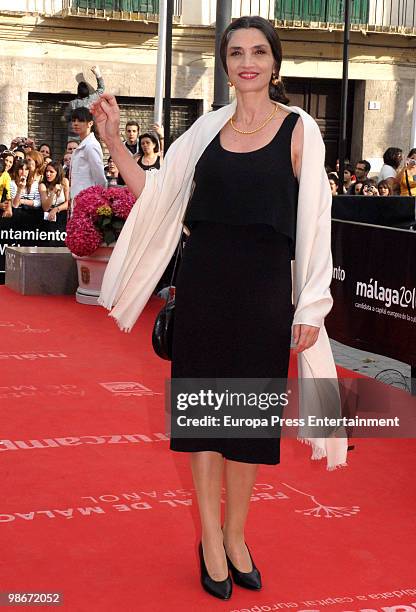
151 234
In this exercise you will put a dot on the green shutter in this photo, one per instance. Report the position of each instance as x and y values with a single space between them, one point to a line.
134 6
359 11
321 10
296 10
139 6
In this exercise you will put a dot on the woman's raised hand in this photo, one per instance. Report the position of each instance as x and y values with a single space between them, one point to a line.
107 117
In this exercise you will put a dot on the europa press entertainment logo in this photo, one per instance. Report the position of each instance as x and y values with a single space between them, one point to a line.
128 389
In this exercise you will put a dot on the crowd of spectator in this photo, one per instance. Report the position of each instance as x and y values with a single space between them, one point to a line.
397 176
36 179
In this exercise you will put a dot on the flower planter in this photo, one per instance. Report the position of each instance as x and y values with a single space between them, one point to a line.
96 221
90 274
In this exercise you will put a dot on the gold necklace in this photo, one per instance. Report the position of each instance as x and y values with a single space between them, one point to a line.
269 118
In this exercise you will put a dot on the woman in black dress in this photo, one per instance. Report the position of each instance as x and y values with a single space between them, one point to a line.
234 312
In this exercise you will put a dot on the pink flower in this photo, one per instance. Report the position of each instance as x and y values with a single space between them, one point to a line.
121 201
88 200
82 237
83 234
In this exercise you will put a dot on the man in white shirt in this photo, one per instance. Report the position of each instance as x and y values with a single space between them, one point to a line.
87 166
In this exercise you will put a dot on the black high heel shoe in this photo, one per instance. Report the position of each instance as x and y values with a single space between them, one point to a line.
248 580
218 588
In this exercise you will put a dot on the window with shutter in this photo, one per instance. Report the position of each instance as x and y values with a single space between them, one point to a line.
47 123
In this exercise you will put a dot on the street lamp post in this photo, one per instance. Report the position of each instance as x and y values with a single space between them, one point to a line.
160 67
168 73
342 142
221 90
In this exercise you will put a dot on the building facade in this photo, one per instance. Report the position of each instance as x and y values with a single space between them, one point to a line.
49 45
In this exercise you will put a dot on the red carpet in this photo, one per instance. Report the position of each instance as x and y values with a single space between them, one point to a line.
95 506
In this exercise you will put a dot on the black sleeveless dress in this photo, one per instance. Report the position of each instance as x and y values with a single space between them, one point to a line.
234 313
155 166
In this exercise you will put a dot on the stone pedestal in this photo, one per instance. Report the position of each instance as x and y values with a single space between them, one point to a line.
41 270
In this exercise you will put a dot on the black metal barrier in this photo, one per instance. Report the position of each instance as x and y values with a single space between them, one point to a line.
394 211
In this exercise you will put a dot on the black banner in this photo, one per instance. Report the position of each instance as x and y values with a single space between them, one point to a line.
374 289
28 228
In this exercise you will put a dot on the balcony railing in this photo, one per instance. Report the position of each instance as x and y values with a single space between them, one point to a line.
368 15
329 11
136 10
31 7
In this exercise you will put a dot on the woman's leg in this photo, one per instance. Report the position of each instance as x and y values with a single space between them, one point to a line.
240 479
207 472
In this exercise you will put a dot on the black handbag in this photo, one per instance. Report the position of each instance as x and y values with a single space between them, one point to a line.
162 335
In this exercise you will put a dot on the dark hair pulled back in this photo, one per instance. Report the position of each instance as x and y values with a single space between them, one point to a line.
390 157
276 92
151 137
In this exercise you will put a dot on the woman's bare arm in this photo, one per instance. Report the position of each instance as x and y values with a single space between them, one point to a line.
107 118
297 148
65 187
46 200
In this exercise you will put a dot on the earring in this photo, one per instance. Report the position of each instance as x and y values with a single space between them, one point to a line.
230 84
275 79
